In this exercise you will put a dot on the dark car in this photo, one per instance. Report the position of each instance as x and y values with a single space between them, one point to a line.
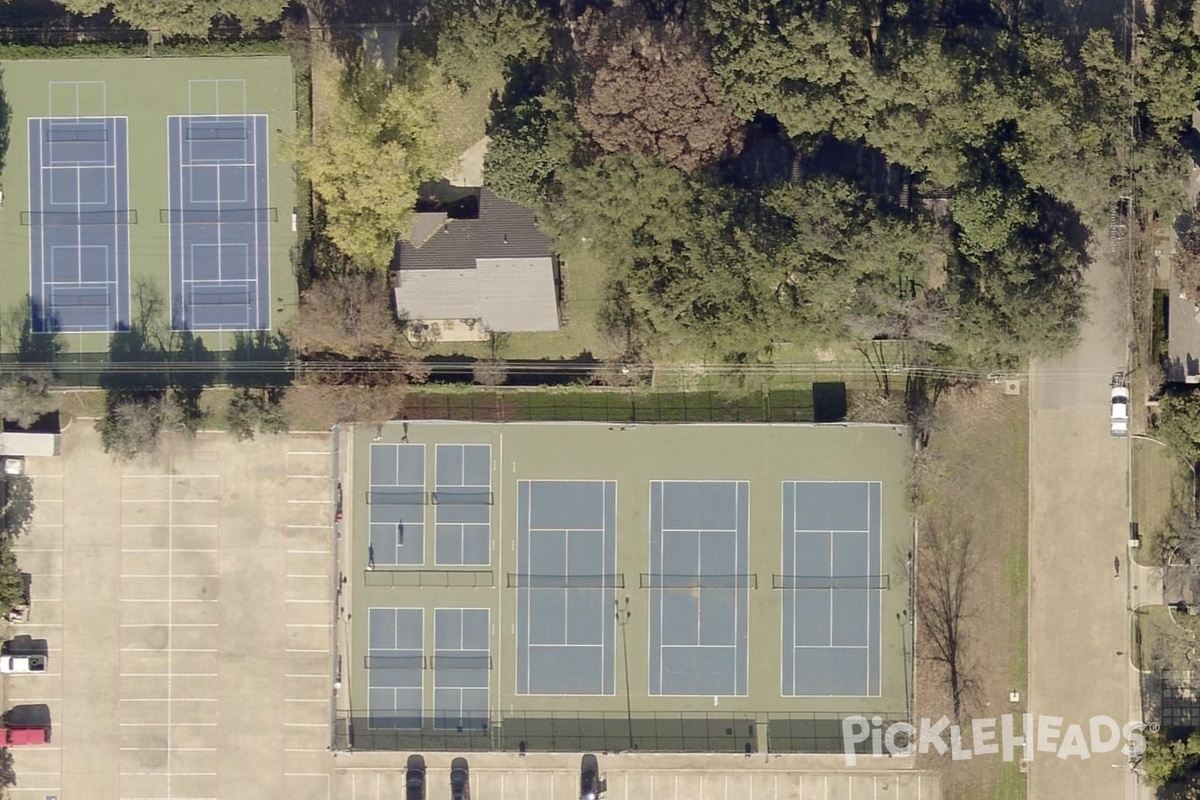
460 779
590 785
414 778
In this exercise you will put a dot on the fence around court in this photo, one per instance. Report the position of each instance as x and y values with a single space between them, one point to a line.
668 732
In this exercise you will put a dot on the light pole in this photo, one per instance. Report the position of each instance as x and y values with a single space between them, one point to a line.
622 615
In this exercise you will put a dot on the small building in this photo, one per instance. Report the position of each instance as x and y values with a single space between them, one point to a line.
462 279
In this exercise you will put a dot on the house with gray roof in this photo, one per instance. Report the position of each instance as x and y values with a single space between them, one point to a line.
461 279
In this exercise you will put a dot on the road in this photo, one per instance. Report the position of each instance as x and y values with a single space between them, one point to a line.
1079 479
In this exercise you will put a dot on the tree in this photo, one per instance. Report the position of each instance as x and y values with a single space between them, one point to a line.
347 314
1179 423
1167 760
181 17
376 143
255 410
531 143
1170 77
490 372
25 397
809 67
481 38
12 582
649 89
130 426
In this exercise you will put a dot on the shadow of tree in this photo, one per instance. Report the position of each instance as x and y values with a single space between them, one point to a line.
16 328
17 513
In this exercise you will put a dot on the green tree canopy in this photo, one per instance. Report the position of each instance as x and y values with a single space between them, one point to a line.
376 144
481 38
531 142
181 17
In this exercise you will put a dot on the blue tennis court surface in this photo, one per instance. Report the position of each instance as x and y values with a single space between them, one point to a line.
220 222
462 666
396 499
566 557
79 223
395 667
463 503
831 588
699 588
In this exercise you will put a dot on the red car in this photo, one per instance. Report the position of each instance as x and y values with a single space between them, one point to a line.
22 737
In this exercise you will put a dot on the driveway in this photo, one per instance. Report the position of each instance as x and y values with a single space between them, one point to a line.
1079 479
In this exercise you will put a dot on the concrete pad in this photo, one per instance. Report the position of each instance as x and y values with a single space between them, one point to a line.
309 463
153 562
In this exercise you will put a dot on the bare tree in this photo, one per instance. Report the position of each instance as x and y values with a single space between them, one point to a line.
948 562
651 90
348 314
490 372
25 397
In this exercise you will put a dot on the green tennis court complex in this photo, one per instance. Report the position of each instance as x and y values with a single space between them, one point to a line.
576 587
143 192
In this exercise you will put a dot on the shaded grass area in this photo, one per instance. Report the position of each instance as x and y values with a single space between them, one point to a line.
972 479
1162 483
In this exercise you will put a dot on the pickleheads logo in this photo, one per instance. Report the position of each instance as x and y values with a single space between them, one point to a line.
1013 736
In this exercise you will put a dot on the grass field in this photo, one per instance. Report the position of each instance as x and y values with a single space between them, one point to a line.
145 92
1161 484
986 500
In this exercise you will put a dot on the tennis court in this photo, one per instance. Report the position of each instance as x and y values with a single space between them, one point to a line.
699 592
462 505
220 219
831 586
152 194
396 499
78 223
711 588
396 667
462 666
565 584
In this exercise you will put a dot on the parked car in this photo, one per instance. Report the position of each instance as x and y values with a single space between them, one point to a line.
460 779
1119 418
414 778
590 785
18 665
22 737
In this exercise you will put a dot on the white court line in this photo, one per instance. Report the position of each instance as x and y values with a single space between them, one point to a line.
38 549
167 699
163 550
164 674
158 600
159 476
176 749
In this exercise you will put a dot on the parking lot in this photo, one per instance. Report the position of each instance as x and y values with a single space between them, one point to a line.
504 776
186 606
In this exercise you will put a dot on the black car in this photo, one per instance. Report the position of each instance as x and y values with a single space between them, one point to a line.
460 779
590 785
414 778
